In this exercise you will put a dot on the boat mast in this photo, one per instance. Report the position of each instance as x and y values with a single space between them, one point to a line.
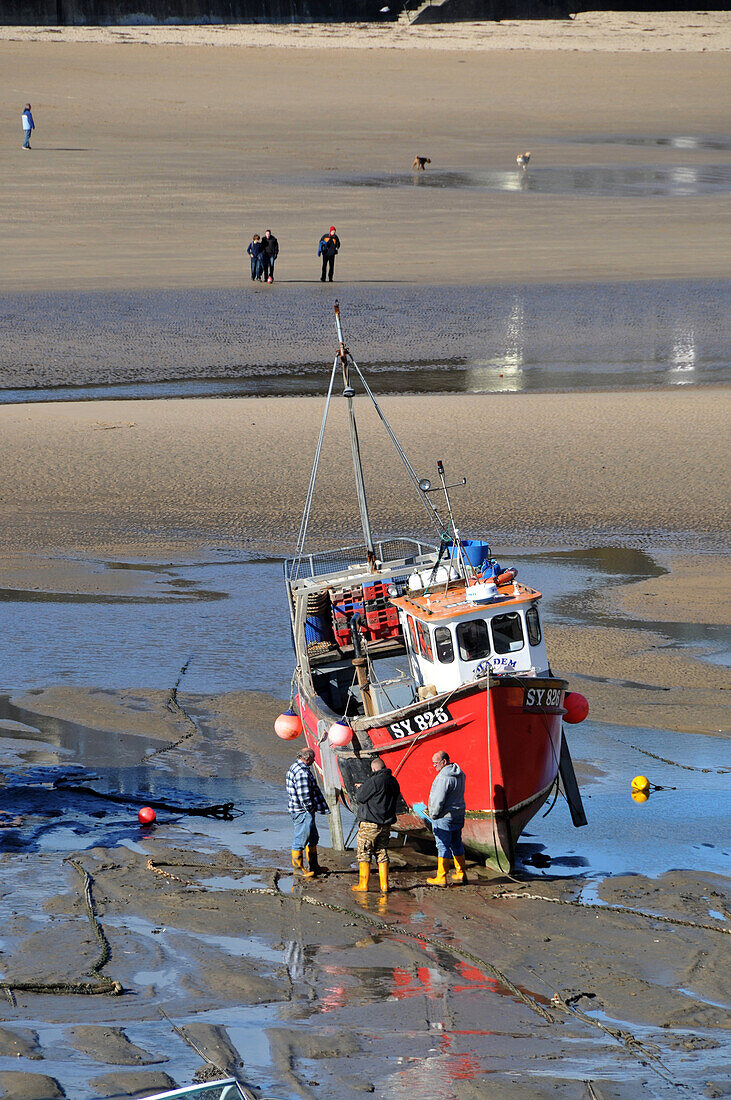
349 394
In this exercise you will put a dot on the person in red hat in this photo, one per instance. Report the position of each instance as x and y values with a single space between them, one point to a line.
328 248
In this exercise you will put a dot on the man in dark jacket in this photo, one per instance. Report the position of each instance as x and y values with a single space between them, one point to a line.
271 251
328 248
377 800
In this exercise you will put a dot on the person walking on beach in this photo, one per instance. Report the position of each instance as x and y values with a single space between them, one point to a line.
28 125
271 251
377 800
256 251
446 812
304 800
328 248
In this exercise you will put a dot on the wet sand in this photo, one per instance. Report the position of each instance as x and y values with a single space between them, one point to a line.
309 992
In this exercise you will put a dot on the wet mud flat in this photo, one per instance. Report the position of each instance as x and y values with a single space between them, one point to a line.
527 337
617 979
601 960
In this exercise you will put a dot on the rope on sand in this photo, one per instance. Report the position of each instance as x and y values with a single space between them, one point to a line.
173 704
102 985
514 895
674 763
175 878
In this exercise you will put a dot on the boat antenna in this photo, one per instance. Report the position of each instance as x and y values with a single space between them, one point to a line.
453 525
447 539
345 358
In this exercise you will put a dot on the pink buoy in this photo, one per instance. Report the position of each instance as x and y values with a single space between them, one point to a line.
339 734
288 726
146 815
577 707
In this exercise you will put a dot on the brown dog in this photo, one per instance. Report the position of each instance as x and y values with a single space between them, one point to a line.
420 163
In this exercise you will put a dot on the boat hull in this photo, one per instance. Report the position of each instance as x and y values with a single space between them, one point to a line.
506 737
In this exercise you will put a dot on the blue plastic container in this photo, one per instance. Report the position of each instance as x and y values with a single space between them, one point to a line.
318 628
475 550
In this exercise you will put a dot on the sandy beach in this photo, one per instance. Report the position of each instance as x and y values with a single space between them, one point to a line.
595 468
139 543
152 164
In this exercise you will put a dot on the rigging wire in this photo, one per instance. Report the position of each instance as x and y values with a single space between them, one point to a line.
299 548
431 511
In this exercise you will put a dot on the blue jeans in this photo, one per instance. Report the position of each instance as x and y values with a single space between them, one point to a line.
257 267
305 830
448 835
26 143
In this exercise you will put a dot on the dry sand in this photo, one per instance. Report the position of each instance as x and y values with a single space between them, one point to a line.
152 167
161 476
602 31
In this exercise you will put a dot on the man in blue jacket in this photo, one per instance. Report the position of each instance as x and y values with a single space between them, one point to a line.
28 125
446 811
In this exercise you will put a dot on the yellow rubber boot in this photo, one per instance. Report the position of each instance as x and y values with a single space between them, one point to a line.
299 867
459 875
364 877
314 865
440 879
383 876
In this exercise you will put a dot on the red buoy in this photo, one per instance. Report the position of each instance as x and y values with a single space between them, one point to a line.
147 815
339 734
577 707
288 726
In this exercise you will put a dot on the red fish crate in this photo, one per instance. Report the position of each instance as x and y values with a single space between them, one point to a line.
376 591
382 622
345 603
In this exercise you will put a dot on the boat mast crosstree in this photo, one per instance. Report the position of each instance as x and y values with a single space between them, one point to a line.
423 646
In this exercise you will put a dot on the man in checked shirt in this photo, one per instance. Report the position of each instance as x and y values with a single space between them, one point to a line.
304 800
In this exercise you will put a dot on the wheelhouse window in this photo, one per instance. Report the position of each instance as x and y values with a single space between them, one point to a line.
473 640
507 633
443 643
425 648
412 634
534 625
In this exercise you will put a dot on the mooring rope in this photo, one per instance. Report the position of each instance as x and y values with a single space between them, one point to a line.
173 704
673 763
514 895
102 984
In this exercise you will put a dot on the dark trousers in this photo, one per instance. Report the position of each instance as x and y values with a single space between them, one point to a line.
327 260
268 265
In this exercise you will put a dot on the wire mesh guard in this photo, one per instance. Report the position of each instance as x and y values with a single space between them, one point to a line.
404 550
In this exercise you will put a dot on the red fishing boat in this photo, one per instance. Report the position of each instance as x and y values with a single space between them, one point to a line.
405 647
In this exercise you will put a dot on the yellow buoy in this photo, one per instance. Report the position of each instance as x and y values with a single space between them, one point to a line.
640 783
640 796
